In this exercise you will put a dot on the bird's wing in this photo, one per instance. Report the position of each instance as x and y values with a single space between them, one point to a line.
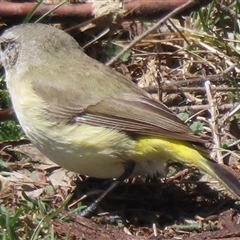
137 114
119 105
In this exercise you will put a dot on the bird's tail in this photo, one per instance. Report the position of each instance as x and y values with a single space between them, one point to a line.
159 149
224 174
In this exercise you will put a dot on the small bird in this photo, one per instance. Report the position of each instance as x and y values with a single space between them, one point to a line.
89 118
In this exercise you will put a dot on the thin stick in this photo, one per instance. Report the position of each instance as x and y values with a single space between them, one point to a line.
145 34
213 121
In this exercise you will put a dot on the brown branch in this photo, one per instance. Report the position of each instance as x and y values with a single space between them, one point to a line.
6 114
219 78
16 12
196 108
175 88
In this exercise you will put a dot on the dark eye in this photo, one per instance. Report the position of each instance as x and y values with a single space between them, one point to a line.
3 46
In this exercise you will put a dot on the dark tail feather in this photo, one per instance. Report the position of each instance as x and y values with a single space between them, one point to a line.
226 176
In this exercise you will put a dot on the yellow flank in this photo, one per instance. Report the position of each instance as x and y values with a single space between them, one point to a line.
165 149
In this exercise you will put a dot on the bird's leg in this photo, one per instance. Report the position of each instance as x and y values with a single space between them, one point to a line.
128 170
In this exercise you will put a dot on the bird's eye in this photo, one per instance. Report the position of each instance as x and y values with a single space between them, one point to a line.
3 46
9 53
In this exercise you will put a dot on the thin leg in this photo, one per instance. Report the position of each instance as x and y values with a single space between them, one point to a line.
128 170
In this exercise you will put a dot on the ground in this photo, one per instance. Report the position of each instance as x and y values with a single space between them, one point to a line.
40 200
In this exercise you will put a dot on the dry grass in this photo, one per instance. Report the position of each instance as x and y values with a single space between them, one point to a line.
192 65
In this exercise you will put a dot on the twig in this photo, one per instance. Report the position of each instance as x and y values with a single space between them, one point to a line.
199 79
175 88
231 113
213 122
196 108
145 34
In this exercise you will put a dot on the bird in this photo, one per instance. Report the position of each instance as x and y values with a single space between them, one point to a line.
90 119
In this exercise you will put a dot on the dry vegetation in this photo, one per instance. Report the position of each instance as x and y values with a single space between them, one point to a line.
191 63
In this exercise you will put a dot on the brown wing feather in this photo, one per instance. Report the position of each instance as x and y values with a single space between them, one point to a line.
119 105
137 114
